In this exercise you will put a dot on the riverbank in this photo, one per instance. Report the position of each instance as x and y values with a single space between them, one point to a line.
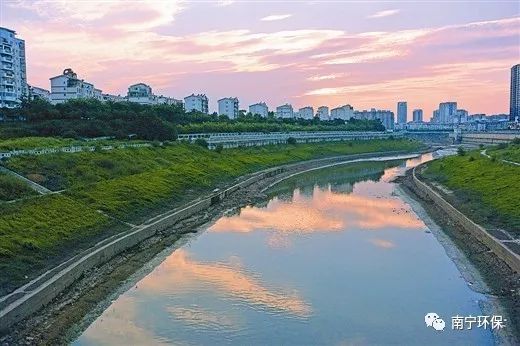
501 283
84 295
104 193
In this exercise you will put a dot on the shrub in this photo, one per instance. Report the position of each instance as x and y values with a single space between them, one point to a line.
481 146
201 142
502 146
219 148
291 140
516 140
461 151
471 158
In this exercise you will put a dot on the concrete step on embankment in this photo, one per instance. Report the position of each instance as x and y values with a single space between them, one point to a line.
36 187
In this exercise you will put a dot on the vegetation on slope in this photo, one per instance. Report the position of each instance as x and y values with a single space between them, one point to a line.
12 188
486 189
509 152
130 185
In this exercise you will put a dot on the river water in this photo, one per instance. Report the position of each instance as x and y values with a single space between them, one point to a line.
335 257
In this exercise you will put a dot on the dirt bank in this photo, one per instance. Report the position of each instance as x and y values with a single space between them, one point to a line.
59 322
502 283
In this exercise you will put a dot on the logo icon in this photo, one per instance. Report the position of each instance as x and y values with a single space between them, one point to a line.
433 320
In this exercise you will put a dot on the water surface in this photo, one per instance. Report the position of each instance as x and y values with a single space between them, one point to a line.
335 257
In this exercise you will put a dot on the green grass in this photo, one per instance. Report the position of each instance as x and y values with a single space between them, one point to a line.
131 185
12 188
510 153
486 190
54 142
34 142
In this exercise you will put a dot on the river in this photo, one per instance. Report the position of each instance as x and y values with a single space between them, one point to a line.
335 257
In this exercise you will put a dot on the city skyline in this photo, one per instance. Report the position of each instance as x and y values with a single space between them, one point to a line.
269 52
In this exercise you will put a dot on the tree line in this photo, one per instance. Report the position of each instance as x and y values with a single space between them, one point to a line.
92 118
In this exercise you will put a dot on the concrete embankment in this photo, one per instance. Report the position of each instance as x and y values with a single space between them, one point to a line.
31 297
495 245
498 265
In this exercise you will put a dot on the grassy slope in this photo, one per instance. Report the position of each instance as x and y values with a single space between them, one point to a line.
34 142
486 190
12 188
511 153
130 184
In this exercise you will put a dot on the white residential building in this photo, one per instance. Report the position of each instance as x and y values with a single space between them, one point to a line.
113 98
140 93
39 93
462 116
13 74
323 113
167 100
67 86
306 113
228 106
285 111
260 109
197 103
344 112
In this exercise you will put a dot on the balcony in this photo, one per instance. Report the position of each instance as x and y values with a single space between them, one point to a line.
8 81
7 59
6 50
7 67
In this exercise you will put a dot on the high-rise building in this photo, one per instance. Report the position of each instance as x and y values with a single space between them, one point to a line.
260 109
323 113
448 112
384 116
13 73
285 111
417 115
196 103
306 113
402 113
68 86
514 96
228 106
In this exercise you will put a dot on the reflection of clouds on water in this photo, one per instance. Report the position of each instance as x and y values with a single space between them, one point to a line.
202 319
117 327
324 212
181 274
382 243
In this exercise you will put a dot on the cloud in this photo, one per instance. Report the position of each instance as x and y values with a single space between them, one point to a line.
385 13
124 15
276 17
326 77
224 3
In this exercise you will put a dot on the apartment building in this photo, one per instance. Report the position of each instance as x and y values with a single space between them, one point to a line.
323 113
386 117
13 73
285 111
417 115
197 103
343 112
228 106
39 93
306 113
68 86
260 109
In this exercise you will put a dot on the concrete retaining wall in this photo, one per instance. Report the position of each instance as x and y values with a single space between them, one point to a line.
29 298
503 252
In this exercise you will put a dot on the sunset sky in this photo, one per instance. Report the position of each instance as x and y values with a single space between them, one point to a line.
368 54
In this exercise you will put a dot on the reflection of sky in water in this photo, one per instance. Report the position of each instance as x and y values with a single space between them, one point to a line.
328 263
